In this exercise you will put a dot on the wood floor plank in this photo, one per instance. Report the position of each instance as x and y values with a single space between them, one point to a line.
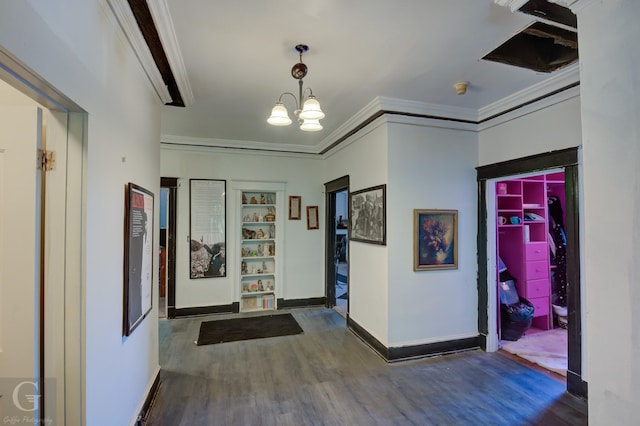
328 376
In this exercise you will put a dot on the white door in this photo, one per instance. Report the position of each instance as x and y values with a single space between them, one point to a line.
20 243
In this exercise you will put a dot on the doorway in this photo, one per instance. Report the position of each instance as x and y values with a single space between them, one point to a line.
337 246
531 250
341 219
41 266
487 254
168 219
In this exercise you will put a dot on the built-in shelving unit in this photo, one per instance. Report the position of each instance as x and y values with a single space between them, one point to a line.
258 251
260 243
523 229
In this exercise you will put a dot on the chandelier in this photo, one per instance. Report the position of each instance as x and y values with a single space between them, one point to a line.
307 110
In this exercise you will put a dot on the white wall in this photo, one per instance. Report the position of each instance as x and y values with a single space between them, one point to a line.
79 48
431 168
552 128
303 250
610 90
365 161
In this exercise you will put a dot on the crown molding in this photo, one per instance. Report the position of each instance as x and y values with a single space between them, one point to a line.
127 21
162 17
353 122
511 4
564 78
394 106
548 101
237 145
427 110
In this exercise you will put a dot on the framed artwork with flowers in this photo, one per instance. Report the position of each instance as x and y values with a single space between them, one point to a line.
435 239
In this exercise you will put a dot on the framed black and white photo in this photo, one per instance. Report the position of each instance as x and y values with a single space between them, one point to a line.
207 228
368 215
138 256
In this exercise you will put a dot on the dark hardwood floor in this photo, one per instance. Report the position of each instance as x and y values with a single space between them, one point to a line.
327 376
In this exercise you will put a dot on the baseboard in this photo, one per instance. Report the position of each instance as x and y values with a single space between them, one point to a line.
234 308
301 303
152 391
400 353
576 386
366 337
482 341
207 310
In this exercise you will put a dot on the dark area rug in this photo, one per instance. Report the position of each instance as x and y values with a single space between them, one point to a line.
235 329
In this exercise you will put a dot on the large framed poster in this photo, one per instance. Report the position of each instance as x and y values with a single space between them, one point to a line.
138 256
207 228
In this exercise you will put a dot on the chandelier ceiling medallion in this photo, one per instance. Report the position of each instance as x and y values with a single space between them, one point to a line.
307 110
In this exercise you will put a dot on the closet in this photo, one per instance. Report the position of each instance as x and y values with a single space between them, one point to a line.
529 220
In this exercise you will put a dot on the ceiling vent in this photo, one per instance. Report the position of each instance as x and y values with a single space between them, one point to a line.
539 47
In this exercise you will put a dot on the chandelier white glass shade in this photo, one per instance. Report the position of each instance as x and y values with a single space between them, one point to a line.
308 111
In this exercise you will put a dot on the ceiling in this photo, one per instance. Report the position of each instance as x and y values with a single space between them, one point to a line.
232 60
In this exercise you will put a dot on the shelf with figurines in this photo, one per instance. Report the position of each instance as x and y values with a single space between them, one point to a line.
258 261
258 198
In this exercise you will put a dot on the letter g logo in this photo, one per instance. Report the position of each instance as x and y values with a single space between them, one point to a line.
32 398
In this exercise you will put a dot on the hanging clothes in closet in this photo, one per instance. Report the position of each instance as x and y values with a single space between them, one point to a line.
558 247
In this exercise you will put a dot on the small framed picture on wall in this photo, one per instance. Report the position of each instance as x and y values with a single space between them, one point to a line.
295 201
312 217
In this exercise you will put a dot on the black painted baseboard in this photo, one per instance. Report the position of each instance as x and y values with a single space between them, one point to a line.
301 303
144 412
206 310
576 386
400 353
234 307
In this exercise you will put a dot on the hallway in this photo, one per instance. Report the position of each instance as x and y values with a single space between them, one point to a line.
327 376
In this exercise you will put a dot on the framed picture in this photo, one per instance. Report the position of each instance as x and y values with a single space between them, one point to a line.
368 215
138 256
295 201
312 217
207 228
435 239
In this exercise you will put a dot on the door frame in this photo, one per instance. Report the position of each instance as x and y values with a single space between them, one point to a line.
67 359
331 188
569 159
172 185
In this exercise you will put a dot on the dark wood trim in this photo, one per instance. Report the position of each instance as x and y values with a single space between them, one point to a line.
530 102
142 14
401 353
567 159
482 341
172 185
532 163
483 296
576 386
573 272
146 407
380 113
367 338
330 190
232 308
301 303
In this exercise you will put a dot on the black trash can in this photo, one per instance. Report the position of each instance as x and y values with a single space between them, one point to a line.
516 313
